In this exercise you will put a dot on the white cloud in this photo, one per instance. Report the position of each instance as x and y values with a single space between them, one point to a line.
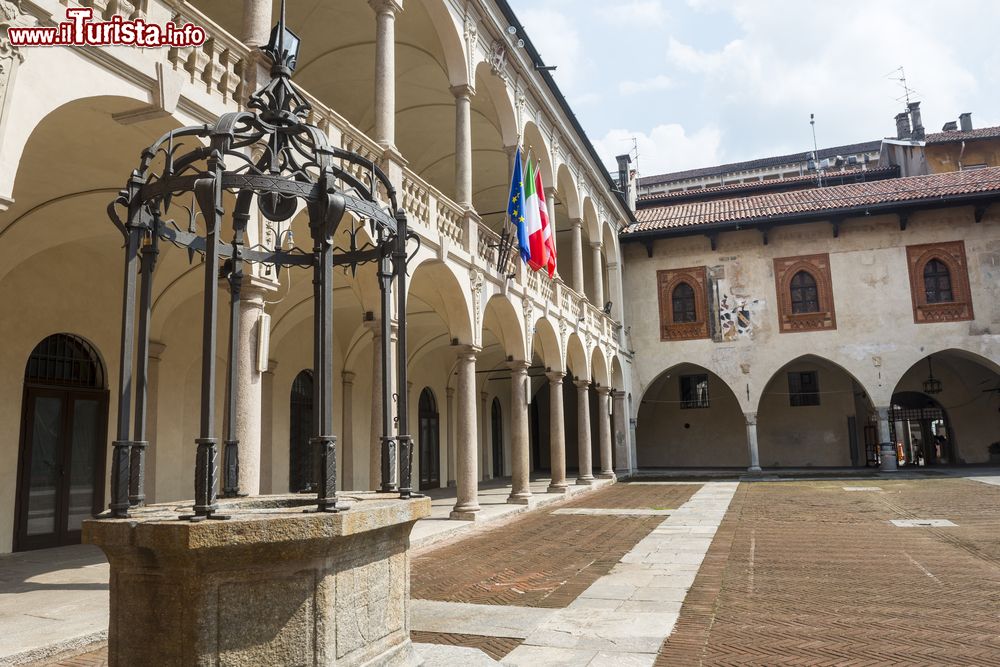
637 13
665 148
555 36
659 82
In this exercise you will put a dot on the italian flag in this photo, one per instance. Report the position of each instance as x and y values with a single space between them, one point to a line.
541 249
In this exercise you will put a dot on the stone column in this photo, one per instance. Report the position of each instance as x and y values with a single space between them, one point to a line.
751 418
249 389
557 433
346 440
467 505
449 393
256 22
385 71
463 145
598 295
887 448
375 443
604 428
267 429
484 440
576 249
586 472
620 431
156 350
520 443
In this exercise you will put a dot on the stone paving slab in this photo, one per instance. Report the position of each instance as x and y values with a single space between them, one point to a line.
536 656
476 619
442 655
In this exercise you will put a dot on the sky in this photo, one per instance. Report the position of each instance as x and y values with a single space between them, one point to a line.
705 82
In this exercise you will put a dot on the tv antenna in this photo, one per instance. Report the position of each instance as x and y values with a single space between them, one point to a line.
819 167
899 75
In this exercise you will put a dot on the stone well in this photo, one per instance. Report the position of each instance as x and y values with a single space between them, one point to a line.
274 585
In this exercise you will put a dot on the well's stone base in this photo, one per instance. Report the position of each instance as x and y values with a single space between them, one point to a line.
274 585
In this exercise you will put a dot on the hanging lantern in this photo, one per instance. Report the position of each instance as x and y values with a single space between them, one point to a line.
931 385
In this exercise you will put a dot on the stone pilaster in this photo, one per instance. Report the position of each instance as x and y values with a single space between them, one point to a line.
346 440
450 428
467 505
557 433
520 446
156 350
586 472
463 145
604 429
751 418
249 387
598 296
576 250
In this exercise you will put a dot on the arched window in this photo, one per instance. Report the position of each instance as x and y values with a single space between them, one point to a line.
805 297
300 425
937 282
682 304
64 424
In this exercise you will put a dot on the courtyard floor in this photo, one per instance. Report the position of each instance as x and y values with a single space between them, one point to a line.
793 572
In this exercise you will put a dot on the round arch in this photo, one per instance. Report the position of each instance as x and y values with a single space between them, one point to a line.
599 367
501 318
535 143
545 341
434 283
576 357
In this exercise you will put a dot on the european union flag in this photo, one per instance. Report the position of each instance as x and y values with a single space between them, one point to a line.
515 206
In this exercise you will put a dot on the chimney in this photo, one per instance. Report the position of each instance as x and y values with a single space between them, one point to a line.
902 126
965 120
918 127
950 126
624 175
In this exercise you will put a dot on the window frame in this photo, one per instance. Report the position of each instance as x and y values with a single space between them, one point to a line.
818 267
666 281
814 288
673 303
952 255
797 396
693 380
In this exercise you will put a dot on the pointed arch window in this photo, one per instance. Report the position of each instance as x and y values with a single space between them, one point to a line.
804 294
683 304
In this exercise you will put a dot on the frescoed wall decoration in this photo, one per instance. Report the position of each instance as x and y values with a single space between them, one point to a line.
737 314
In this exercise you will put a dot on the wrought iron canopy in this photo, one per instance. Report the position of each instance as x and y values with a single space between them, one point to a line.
271 155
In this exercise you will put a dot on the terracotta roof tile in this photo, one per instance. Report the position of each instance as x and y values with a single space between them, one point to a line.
834 198
958 135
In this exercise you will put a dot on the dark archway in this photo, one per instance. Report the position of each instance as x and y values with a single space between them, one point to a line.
429 440
946 410
61 459
300 426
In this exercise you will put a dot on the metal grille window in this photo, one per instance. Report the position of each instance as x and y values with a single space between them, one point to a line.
937 282
682 304
803 388
66 361
694 391
805 296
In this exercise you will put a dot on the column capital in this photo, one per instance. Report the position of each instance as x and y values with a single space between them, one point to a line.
347 377
272 365
392 7
596 245
751 418
576 222
551 191
467 352
555 377
449 392
520 366
156 349
617 394
582 384
463 91
603 391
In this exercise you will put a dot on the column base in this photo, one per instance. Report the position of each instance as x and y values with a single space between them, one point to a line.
607 475
585 481
464 514
558 488
452 484
519 499
754 469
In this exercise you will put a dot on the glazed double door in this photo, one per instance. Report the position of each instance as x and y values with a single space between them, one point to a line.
61 465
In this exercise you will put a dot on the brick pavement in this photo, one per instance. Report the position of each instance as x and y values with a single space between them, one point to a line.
541 560
495 647
808 574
